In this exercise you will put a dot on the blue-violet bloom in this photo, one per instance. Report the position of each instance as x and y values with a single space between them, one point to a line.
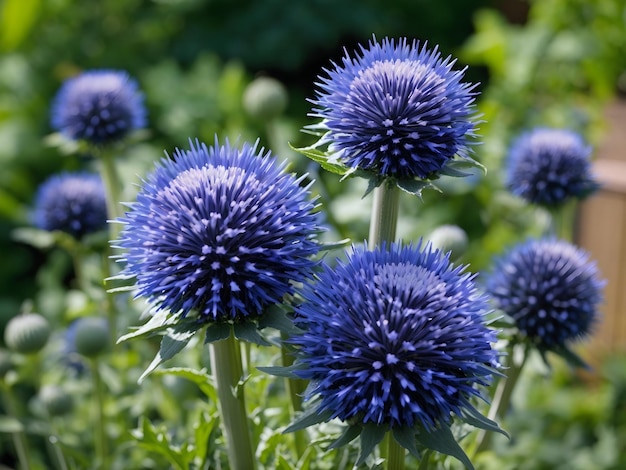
549 166
220 231
73 203
396 109
394 337
550 288
99 106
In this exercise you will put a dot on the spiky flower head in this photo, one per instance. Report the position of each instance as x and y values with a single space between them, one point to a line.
395 338
73 203
99 106
550 288
220 231
549 166
396 109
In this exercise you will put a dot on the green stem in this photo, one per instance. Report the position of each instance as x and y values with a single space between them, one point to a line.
19 437
53 442
502 396
384 218
295 388
102 452
228 372
562 220
395 453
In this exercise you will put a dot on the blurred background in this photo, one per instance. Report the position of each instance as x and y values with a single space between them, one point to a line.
545 62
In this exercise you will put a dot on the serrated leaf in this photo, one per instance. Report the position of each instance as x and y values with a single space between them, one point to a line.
415 187
203 380
280 371
442 440
149 438
322 158
373 182
351 433
248 332
308 418
217 332
474 418
173 342
371 435
405 436
277 318
158 322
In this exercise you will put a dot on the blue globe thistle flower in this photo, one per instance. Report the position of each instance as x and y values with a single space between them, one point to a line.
549 166
396 109
551 290
99 106
220 231
394 337
73 203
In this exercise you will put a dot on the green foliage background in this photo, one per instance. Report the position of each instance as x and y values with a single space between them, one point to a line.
548 62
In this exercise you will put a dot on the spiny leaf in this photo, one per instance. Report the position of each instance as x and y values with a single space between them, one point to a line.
371 435
150 438
280 371
405 436
248 332
442 440
322 158
474 418
308 418
348 435
277 318
158 322
201 378
217 332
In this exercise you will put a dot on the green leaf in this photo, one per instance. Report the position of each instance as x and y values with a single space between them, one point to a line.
405 436
327 246
248 331
571 357
10 425
322 158
158 322
373 182
474 418
156 441
348 436
371 435
205 425
277 318
415 187
173 342
280 371
40 239
203 380
308 418
217 332
442 440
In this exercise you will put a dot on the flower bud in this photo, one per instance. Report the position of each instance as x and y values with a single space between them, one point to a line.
55 400
27 333
449 238
91 336
265 98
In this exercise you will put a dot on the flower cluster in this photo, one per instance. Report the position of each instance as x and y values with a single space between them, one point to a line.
394 337
550 289
220 231
549 166
74 203
397 109
99 106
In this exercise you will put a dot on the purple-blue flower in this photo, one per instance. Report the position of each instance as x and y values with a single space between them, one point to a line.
220 231
394 337
99 106
550 288
74 203
396 109
550 166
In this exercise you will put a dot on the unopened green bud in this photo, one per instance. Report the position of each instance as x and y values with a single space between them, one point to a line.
265 98
55 400
27 333
450 238
92 336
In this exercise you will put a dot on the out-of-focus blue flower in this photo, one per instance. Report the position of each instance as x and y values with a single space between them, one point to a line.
550 288
394 337
396 109
99 106
549 166
74 203
220 231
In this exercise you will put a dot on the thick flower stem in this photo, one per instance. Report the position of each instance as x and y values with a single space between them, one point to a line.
502 396
562 221
19 437
395 453
102 445
228 372
384 218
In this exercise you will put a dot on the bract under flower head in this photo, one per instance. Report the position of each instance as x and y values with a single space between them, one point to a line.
219 231
394 337
550 166
397 109
73 203
550 288
99 106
